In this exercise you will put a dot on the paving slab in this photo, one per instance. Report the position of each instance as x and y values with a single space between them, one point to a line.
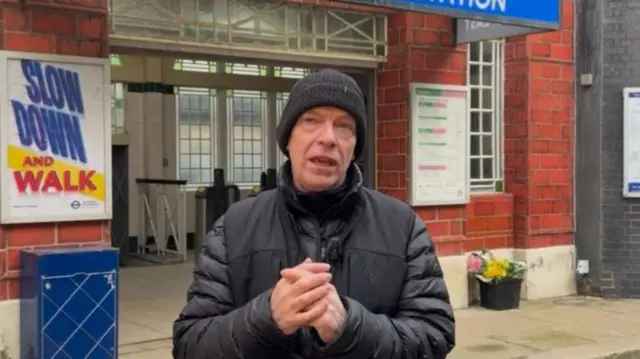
491 349
152 354
541 339
544 326
626 348
157 349
131 333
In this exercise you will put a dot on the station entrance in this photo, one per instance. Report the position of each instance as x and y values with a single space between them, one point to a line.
184 111
195 116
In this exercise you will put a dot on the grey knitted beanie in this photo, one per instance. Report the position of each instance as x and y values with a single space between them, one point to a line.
325 87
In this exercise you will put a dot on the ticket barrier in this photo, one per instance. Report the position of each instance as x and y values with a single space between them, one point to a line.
211 203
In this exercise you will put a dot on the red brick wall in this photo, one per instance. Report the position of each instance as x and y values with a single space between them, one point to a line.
539 134
422 49
537 208
70 27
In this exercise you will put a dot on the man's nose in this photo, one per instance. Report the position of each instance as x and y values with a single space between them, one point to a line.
327 135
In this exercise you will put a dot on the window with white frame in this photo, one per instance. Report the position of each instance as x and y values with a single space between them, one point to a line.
245 69
283 97
245 118
117 108
290 72
196 112
118 90
195 66
247 112
281 101
115 60
485 69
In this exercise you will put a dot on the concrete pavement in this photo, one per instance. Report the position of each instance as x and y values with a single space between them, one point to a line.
555 328
562 328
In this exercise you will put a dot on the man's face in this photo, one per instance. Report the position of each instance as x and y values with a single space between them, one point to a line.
321 148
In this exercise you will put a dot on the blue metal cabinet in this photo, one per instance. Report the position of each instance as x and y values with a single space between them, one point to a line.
69 303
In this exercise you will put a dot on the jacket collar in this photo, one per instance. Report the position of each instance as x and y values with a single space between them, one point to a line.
348 200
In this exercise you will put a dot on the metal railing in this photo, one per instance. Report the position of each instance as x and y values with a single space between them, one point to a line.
157 214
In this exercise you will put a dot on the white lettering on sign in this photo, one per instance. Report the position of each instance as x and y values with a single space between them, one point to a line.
499 5
475 24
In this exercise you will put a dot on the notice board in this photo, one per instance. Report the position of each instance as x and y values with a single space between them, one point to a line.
631 148
439 124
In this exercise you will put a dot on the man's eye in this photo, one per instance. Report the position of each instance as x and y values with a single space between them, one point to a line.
346 127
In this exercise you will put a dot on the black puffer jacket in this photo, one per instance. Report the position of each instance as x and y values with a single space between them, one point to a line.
383 263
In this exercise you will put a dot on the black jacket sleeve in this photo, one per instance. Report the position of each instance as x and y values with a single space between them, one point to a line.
210 326
423 327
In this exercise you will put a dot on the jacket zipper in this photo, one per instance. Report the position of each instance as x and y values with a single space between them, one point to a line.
323 251
320 247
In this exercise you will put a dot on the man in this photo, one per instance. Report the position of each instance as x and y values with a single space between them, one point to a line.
320 267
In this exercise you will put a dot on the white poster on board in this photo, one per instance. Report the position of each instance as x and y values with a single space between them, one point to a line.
631 130
439 140
56 138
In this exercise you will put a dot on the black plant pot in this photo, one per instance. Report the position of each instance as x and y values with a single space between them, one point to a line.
500 295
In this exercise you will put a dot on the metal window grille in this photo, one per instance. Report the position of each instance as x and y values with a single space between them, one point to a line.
117 108
485 77
251 24
196 116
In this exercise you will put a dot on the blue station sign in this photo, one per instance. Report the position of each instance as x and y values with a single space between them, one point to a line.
542 14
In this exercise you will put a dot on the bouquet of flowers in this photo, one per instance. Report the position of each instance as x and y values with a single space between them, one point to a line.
487 268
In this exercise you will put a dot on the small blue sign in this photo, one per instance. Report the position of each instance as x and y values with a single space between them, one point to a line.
543 14
633 187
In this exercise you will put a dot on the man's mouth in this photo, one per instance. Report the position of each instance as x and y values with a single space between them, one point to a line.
323 161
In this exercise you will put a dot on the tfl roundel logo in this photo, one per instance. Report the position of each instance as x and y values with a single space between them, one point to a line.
75 204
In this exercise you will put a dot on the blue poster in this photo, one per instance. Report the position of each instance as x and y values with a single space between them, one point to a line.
543 14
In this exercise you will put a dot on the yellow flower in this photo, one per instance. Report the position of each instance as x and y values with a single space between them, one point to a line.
496 269
504 263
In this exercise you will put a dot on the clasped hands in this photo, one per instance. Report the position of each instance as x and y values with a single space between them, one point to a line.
304 296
